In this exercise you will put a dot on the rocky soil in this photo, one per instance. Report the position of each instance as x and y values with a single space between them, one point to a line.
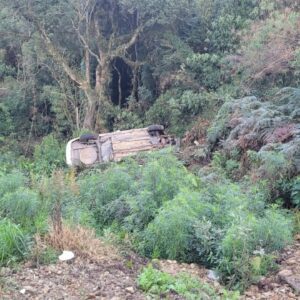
80 279
115 278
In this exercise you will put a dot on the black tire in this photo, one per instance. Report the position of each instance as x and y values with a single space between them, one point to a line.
159 128
84 138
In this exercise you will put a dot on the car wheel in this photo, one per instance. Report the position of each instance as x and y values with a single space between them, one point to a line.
155 128
84 138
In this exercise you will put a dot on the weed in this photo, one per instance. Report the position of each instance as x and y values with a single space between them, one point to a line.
155 282
82 241
14 243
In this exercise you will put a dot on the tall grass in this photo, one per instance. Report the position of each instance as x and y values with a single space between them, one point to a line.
13 245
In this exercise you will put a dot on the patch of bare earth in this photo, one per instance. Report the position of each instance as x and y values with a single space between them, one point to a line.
97 272
80 279
111 276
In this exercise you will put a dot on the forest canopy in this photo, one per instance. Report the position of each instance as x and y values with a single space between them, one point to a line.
71 65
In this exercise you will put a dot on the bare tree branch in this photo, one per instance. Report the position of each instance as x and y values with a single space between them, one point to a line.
123 48
58 57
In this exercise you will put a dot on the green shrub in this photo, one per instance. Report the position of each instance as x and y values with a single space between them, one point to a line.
253 240
182 217
11 182
48 155
273 231
154 281
161 179
101 191
206 241
296 222
212 221
175 220
295 192
158 283
20 206
131 194
59 195
220 226
177 109
14 244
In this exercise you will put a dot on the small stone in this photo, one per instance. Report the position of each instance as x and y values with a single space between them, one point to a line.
293 282
274 285
130 289
284 273
290 294
291 261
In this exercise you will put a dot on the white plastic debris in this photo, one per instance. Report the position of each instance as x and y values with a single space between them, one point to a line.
212 275
22 291
66 256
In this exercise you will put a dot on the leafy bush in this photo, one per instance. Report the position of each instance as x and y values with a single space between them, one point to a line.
273 231
155 282
126 119
131 194
20 206
243 242
296 192
176 110
175 219
160 180
59 194
220 226
14 244
11 182
48 155
102 193
296 222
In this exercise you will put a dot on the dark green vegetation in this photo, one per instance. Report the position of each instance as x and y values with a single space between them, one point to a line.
115 64
71 66
160 208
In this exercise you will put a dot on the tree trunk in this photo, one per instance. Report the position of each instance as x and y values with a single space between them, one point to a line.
103 77
119 85
97 97
90 111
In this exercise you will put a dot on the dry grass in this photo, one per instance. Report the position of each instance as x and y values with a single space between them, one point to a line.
197 134
269 47
82 241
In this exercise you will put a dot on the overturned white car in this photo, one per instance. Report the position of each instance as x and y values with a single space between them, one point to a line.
90 149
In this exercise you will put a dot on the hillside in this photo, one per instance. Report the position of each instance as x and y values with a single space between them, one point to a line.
216 219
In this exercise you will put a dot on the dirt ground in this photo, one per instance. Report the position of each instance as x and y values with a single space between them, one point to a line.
80 279
115 279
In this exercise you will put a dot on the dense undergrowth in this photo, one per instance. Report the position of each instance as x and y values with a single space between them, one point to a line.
154 205
186 64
